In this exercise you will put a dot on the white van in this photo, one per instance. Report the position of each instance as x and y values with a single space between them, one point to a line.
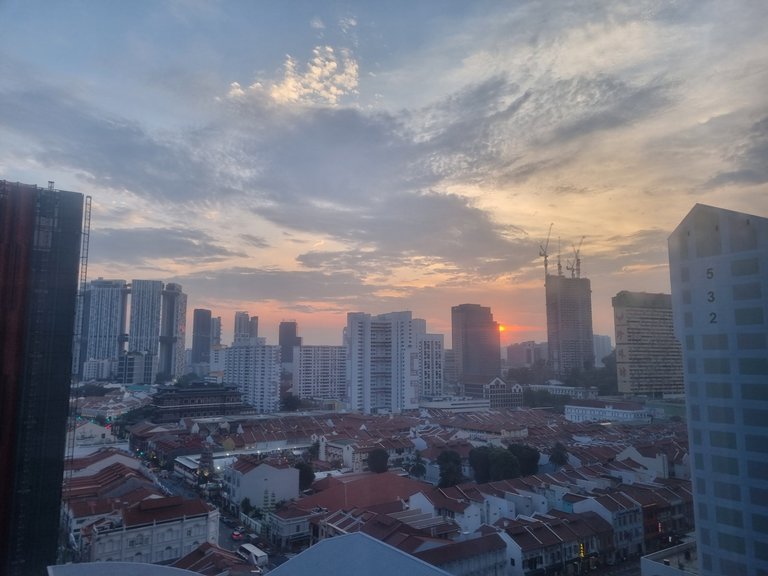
253 555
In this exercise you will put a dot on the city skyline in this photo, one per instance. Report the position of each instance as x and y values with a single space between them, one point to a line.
307 161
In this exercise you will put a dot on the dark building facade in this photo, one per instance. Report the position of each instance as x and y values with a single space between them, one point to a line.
201 336
570 340
172 404
40 235
288 337
476 347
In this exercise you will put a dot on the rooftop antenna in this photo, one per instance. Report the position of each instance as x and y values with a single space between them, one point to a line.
543 250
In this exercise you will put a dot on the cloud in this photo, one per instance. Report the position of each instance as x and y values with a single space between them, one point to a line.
750 157
327 78
144 245
256 241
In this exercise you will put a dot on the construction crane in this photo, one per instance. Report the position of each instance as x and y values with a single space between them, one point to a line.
543 249
575 265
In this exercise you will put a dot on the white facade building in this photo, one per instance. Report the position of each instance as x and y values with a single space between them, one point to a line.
254 367
596 411
387 363
154 530
718 264
104 307
144 327
263 482
320 372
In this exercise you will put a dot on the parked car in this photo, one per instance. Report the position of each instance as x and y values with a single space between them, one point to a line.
237 535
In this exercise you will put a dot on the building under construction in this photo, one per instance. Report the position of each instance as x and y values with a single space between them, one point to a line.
569 316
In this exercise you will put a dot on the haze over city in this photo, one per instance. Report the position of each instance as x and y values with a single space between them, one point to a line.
305 160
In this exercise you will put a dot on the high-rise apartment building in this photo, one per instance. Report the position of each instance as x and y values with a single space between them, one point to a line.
431 348
476 347
288 337
603 348
173 329
215 331
569 324
40 234
649 360
144 326
202 324
254 367
320 372
103 313
246 327
719 274
383 370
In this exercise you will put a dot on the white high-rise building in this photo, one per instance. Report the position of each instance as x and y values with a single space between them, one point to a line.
144 327
431 352
254 367
719 274
320 372
383 369
648 356
104 311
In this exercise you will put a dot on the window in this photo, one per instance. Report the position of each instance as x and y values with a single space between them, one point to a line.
745 267
754 391
725 465
753 366
748 316
714 342
728 491
729 516
721 415
717 366
751 291
720 439
731 543
719 390
756 417
756 443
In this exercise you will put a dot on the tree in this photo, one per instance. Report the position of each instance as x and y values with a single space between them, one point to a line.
187 380
290 403
502 465
480 461
528 458
314 450
306 475
418 468
449 462
246 506
559 455
378 460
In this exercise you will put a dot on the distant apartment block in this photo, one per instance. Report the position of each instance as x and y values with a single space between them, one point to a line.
569 324
245 327
173 330
649 359
603 348
718 263
254 368
202 327
288 339
320 372
476 347
526 354
383 370
104 306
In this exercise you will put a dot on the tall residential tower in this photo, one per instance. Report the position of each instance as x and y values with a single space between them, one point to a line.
718 264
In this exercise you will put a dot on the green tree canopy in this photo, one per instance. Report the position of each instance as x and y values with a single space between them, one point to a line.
527 456
246 506
503 465
306 475
290 403
449 462
378 460
480 460
559 455
417 468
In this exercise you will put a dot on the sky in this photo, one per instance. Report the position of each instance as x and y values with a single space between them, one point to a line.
305 159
